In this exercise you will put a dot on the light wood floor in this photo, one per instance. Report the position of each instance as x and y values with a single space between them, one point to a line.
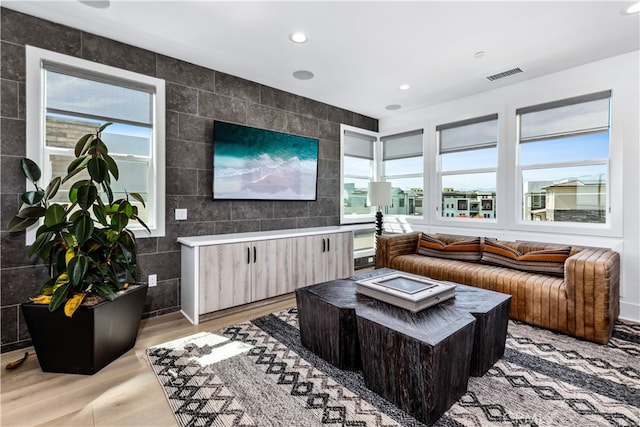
125 393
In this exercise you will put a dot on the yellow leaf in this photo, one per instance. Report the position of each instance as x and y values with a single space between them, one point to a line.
73 303
41 299
68 256
62 279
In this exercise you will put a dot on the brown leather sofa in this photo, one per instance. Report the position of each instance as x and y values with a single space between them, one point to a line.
583 303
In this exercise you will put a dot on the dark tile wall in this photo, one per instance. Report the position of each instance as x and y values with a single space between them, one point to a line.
195 97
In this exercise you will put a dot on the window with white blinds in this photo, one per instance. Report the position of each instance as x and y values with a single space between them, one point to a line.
357 172
403 167
75 97
563 159
468 162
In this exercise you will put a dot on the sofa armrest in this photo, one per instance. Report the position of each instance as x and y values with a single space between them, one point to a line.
592 280
390 246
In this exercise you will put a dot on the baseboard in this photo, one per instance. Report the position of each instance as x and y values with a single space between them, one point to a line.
629 311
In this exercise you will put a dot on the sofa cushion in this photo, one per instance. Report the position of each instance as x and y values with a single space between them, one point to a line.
546 261
466 250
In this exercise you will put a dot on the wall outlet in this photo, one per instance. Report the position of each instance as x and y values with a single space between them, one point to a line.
153 280
370 259
181 214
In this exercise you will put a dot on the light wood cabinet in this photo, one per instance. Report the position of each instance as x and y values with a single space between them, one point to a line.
224 271
323 257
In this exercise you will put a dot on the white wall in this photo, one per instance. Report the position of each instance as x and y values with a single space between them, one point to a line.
620 74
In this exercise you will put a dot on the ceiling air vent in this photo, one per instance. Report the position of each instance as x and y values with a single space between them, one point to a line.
503 74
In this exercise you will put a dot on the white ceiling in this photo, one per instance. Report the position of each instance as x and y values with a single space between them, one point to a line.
361 51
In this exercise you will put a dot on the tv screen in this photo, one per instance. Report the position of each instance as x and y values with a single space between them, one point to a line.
258 164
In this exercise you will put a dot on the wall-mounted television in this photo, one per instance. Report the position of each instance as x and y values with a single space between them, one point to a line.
259 164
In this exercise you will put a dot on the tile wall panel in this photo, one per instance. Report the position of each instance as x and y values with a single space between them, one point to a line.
196 96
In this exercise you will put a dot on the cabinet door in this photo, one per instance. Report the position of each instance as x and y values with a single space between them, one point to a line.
272 269
339 255
225 276
309 263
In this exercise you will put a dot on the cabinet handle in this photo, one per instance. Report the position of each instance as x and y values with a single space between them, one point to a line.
254 254
248 256
324 245
328 245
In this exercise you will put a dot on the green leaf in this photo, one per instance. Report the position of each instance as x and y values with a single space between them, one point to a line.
54 215
75 163
98 169
40 243
142 223
104 126
30 169
78 168
52 188
19 224
83 228
138 197
100 215
104 291
77 269
32 197
59 297
119 221
82 145
107 189
87 194
113 167
31 212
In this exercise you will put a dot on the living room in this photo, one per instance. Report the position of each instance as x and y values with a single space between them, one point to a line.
197 95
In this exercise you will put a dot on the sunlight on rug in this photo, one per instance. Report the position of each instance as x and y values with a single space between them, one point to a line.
258 373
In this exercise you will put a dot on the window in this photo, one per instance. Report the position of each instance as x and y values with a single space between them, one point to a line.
403 167
357 172
564 158
468 164
69 97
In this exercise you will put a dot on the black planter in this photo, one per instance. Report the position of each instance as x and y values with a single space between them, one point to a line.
87 342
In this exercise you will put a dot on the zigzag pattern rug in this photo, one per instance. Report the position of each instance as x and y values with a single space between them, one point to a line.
258 373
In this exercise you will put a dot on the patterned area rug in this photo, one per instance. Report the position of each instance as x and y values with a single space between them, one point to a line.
258 374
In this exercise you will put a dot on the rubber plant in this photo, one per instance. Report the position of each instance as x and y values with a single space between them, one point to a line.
87 243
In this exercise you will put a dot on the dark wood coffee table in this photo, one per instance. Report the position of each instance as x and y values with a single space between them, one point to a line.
404 355
327 320
326 313
419 361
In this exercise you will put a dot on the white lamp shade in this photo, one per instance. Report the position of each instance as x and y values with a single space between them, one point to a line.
380 193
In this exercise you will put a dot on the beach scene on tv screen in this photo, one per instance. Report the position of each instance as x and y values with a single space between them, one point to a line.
257 164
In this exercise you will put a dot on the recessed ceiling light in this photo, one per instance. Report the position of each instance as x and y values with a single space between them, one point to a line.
404 86
303 75
479 54
298 37
631 9
393 107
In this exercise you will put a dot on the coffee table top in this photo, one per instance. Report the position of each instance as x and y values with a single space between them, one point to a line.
430 326
342 293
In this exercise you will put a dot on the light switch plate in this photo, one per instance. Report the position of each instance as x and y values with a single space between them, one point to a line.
181 214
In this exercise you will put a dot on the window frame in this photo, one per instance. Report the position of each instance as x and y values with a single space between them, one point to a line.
383 176
36 61
565 226
439 215
357 218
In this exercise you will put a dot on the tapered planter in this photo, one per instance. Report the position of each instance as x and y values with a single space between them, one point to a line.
87 342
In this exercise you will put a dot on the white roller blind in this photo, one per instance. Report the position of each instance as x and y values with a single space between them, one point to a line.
90 97
358 145
568 117
481 132
403 145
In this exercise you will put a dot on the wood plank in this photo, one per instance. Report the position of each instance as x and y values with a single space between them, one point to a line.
124 393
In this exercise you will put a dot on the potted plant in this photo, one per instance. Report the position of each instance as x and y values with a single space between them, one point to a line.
86 315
